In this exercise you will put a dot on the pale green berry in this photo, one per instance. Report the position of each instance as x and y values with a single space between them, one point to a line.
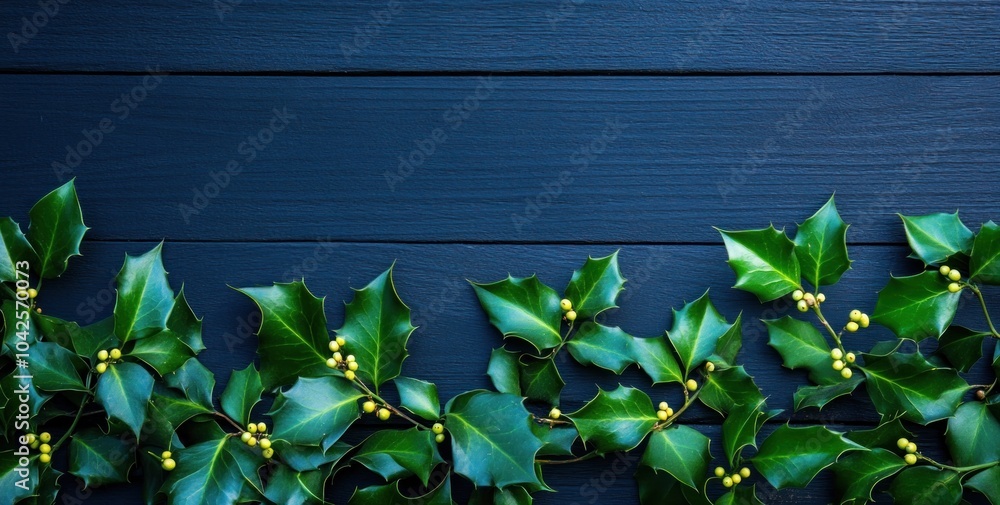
809 298
571 315
368 407
662 415
252 442
341 341
902 443
115 353
438 428
332 363
45 437
565 304
727 481
30 438
865 320
169 464
45 448
384 414
670 412
252 428
852 327
910 459
745 472
955 275
719 471
820 298
45 458
554 413
349 375
836 354
439 438
945 270
846 373
338 357
838 365
261 428
855 315
911 448
265 443
101 367
709 367
351 358
166 455
802 306
954 287
691 385
267 453
352 366
246 436
664 406
334 346
102 355
796 295
736 478
851 358
32 292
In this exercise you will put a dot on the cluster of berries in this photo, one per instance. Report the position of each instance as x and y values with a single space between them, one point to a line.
167 461
256 434
665 412
369 407
438 430
842 362
858 320
40 442
805 300
348 364
954 276
103 356
911 450
734 479
567 307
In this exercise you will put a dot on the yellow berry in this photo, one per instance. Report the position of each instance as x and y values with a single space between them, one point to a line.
945 269
709 367
169 464
439 438
910 459
851 358
101 367
802 306
38 310
44 458
384 414
846 373
115 353
719 471
820 298
102 355
252 428
334 346
252 442
265 443
246 436
955 275
745 472
571 315
332 363
34 445
838 365
341 341
954 287
911 448
796 295
662 415
855 315
902 443
45 437
166 455
351 358
736 478
865 321
349 375
836 354
30 438
727 481
32 292
554 413
852 327
691 385
565 304
368 407
338 357
664 406
809 298
352 366
45 448
267 453
670 412
438 428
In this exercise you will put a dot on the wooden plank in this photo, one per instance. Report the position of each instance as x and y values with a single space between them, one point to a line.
453 344
537 35
538 160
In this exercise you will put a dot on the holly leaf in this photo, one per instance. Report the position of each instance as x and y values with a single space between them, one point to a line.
696 331
377 326
540 379
655 357
195 381
961 346
906 384
167 410
185 323
89 340
819 396
214 472
984 261
395 454
165 352
926 484
741 426
124 391
241 394
801 345
791 457
288 486
917 306
390 494
304 458
885 435
419 397
615 420
495 424
556 441
936 237
144 296
56 229
100 459
14 248
315 411
680 451
858 473
595 286
503 371
740 496
973 435
821 246
729 343
606 347
294 341
523 308
11 479
987 482
726 388
764 261
54 368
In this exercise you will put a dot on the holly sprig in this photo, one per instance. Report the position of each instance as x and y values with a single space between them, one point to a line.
905 383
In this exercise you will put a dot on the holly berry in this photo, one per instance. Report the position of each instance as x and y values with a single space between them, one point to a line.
352 366
736 478
820 298
30 438
852 327
664 406
851 358
855 315
954 287
351 358
166 455
865 321
691 385
115 354
745 472
709 367
980 395
252 428
368 407
796 295
384 414
836 354
439 438
246 436
45 458
45 437
168 464
809 298
267 453
102 355
565 304
719 471
554 413
571 315
846 373
331 363
727 481
670 412
32 293
910 459
838 365
261 427
341 341
101 367
334 346
38 310
45 448
902 443
252 442
265 443
802 306
438 428
955 275
662 415
349 375
945 270
911 448
338 357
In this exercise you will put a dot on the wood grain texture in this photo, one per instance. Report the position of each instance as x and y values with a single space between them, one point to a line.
535 160
536 35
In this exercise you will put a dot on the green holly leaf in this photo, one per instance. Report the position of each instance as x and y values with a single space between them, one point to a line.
557 441
167 410
961 346
615 420
497 424
144 296
16 486
419 397
185 323
514 495
390 494
791 457
89 340
304 458
819 396
741 426
523 308
540 379
294 341
821 246
503 371
395 454
241 394
377 326
215 472
973 435
54 368
801 345
764 261
936 237
165 351
680 451
987 482
858 473
290 487
655 357
908 385
124 391
729 343
606 347
656 488
917 306
14 248
56 230
726 388
926 484
194 380
100 459
696 331
315 411
595 286
741 495
885 435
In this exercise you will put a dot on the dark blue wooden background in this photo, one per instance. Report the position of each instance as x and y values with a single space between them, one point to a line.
537 132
